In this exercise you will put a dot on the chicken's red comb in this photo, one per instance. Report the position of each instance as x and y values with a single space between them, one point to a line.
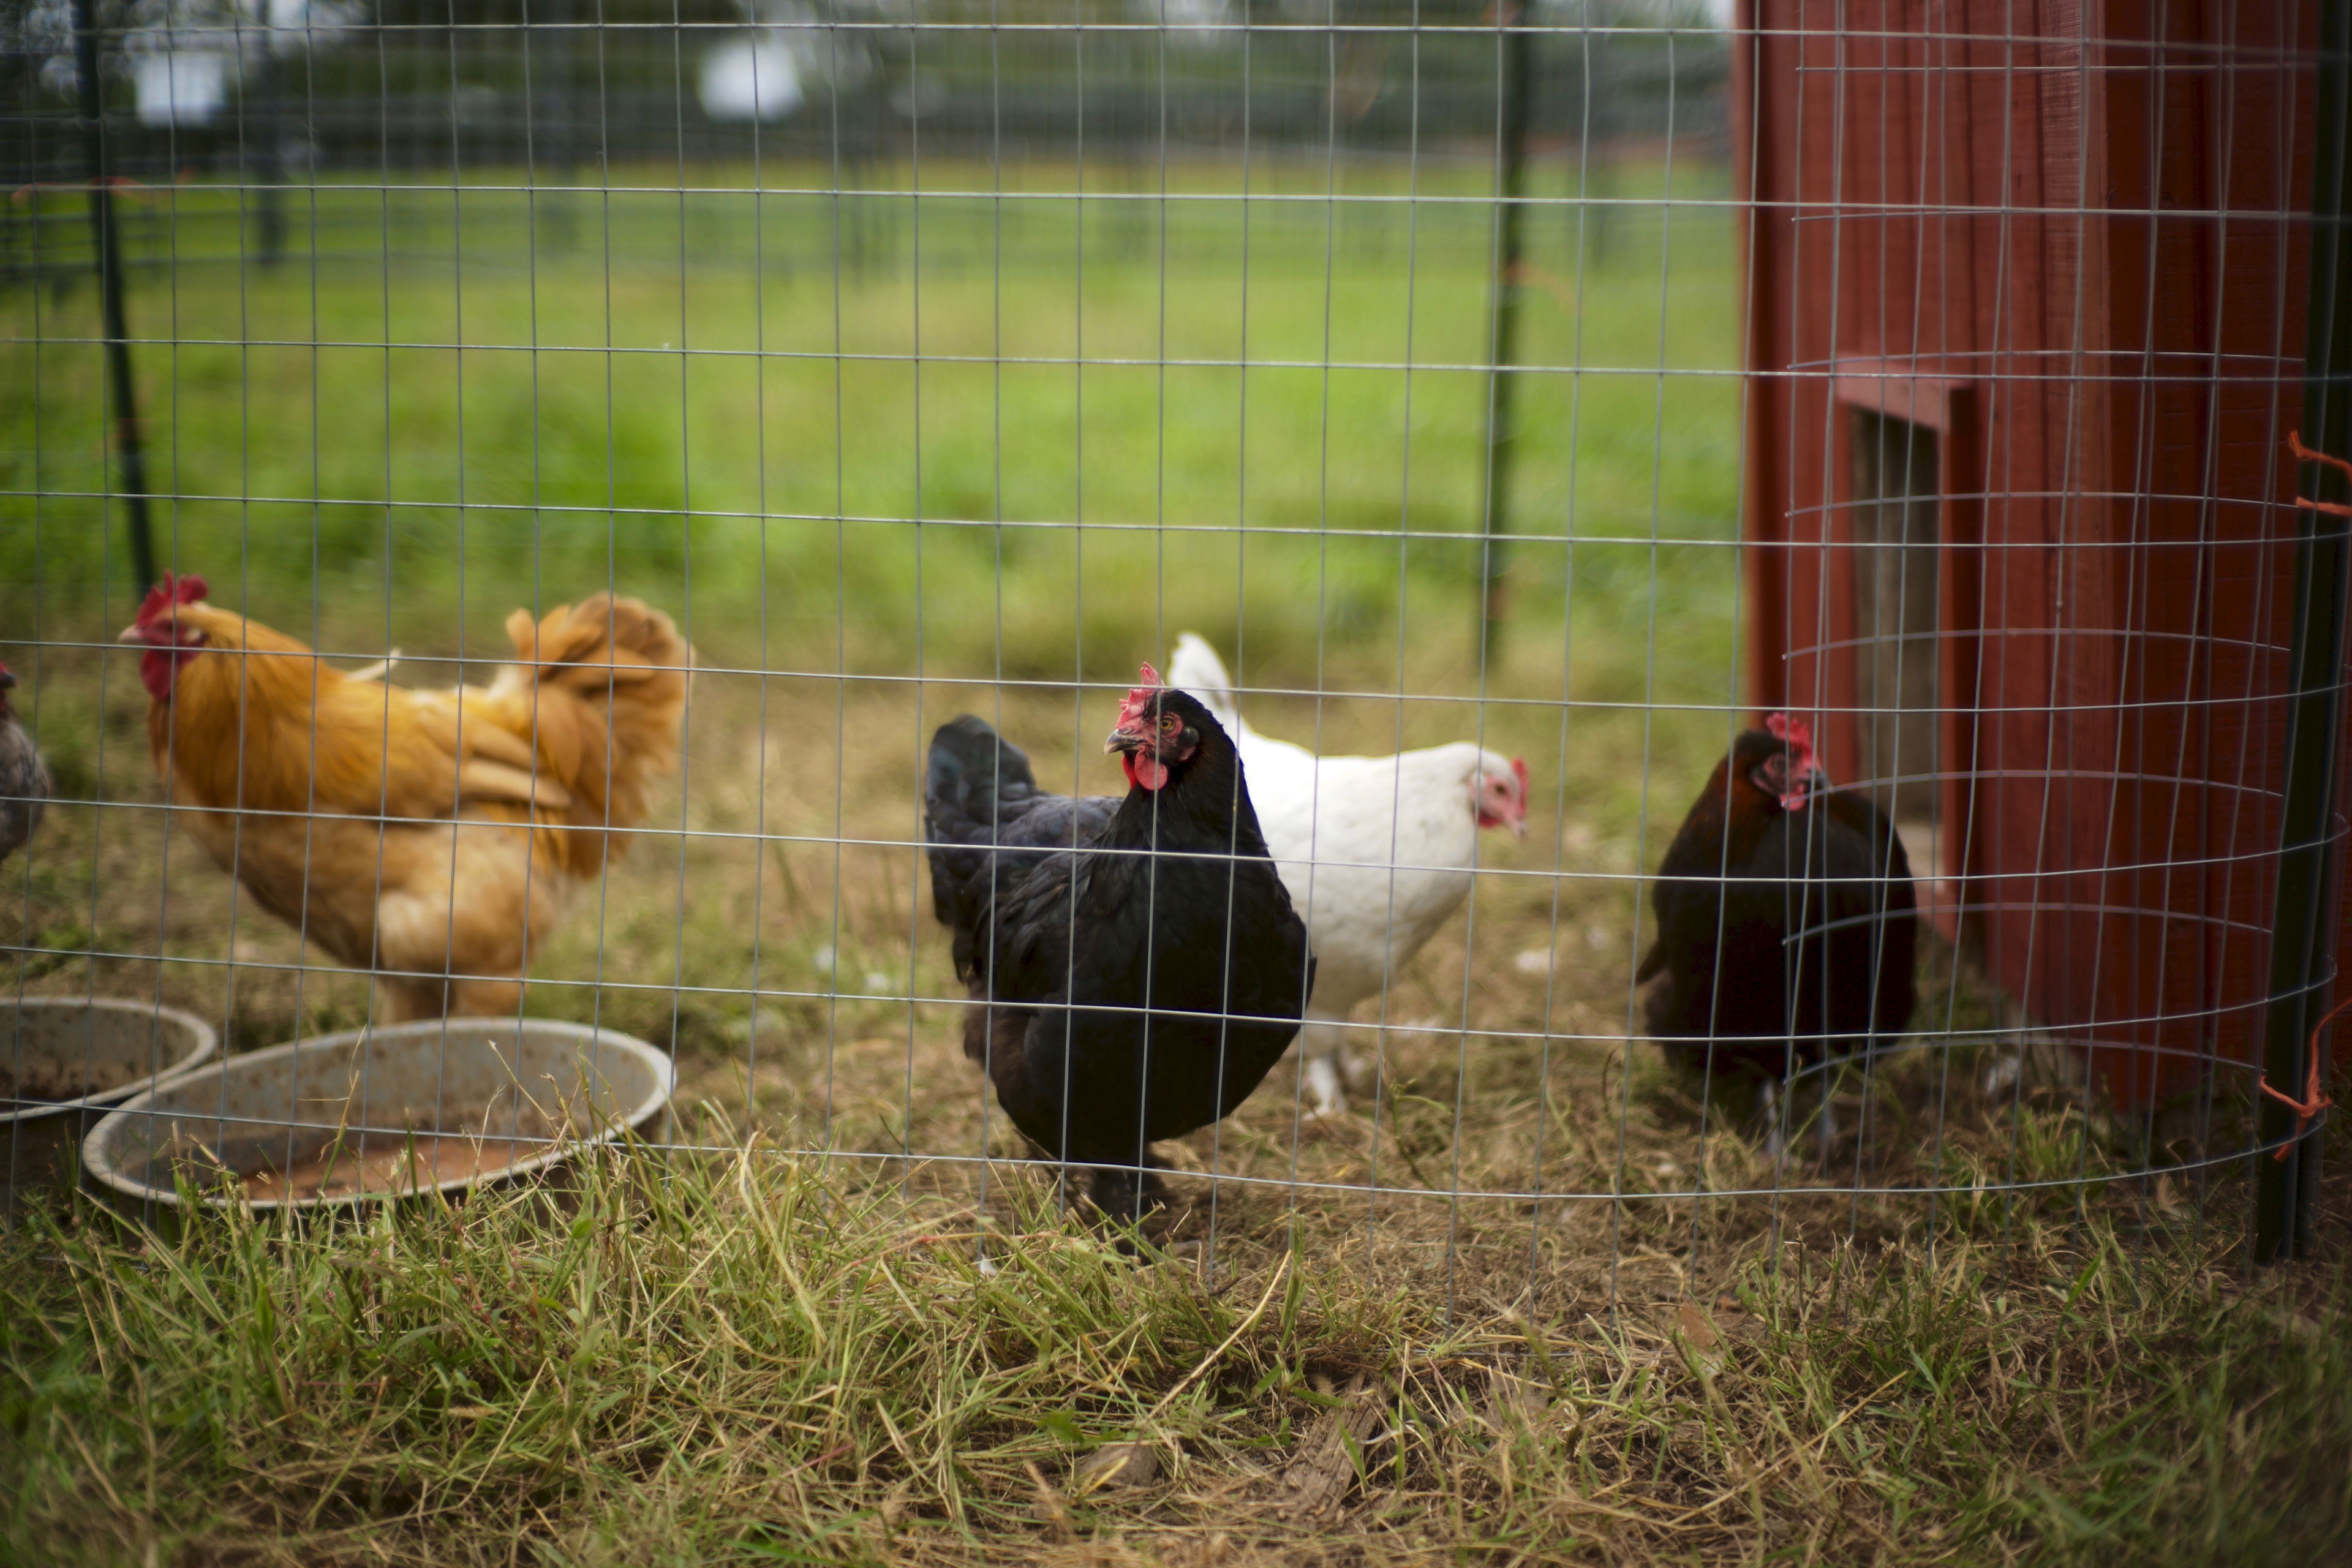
1147 684
171 592
1795 731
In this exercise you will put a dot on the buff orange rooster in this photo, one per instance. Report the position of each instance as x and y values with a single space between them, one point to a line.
430 837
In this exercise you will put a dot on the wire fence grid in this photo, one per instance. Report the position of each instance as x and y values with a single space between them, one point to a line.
1571 384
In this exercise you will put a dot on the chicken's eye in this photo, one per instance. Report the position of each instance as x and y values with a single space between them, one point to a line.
1170 723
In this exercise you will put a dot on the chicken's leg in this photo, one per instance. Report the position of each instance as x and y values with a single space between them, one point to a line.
1323 1055
1125 1194
1775 1106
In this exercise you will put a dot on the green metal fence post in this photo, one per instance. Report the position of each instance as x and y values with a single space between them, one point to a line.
2304 932
100 164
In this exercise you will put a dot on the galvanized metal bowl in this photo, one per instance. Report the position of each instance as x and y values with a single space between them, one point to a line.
355 1118
65 1061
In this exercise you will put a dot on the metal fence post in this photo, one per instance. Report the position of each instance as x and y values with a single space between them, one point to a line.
2304 932
109 286
1503 319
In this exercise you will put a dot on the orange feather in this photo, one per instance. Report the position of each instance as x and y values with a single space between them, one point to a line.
429 835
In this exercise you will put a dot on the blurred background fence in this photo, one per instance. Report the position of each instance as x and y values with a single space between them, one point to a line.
273 97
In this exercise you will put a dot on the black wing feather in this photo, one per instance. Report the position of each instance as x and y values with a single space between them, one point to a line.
990 830
1727 968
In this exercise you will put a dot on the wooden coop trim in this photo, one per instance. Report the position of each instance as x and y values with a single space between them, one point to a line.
1950 408
1896 389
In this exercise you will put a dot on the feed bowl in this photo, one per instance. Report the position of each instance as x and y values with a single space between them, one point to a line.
347 1118
64 1060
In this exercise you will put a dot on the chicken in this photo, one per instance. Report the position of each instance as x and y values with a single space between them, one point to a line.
1378 851
1769 853
430 837
23 779
1139 966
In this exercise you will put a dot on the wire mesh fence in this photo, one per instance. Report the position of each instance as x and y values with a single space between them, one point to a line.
1514 409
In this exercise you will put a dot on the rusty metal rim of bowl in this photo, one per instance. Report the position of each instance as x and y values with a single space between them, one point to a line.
100 1165
207 1046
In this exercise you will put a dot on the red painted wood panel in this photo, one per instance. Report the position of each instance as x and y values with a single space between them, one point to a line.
2077 249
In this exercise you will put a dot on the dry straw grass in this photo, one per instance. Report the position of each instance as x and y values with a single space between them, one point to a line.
762 1359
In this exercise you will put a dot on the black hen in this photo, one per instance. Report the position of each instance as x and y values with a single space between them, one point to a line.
1142 965
1768 852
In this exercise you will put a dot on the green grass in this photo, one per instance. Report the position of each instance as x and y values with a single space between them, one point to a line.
757 1361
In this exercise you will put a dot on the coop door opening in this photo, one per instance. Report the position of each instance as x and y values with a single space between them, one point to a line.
1896 656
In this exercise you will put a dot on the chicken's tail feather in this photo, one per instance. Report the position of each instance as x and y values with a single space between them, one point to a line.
601 686
1197 668
971 768
972 771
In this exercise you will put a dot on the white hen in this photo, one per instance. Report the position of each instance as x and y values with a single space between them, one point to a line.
1376 851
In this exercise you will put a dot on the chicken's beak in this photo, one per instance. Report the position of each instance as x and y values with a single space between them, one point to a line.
1125 738
1509 809
1808 784
156 634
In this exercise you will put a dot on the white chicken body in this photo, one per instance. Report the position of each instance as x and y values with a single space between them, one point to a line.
1377 852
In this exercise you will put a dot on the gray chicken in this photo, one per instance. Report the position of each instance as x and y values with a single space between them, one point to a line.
23 780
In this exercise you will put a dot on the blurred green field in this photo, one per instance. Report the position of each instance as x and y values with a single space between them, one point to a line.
741 403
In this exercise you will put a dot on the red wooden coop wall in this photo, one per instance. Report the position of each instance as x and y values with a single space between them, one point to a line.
2076 250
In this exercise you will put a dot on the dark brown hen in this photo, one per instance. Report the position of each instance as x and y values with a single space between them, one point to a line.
1787 922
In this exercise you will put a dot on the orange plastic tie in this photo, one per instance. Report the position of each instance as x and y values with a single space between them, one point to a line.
2303 453
2315 1095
